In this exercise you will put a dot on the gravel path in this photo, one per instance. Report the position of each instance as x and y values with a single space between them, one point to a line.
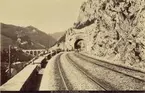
51 77
120 81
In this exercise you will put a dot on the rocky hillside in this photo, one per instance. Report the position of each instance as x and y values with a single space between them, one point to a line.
25 37
113 29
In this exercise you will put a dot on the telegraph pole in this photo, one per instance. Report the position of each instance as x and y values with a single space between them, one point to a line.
9 66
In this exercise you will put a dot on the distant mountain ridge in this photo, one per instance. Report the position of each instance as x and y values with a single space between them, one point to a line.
25 37
57 35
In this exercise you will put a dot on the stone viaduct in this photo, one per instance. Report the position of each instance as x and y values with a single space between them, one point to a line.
34 52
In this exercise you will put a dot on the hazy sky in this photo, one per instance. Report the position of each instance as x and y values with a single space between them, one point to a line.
47 15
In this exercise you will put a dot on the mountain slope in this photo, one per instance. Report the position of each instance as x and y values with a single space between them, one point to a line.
5 41
25 37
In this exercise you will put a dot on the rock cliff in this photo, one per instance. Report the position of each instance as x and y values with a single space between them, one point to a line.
113 29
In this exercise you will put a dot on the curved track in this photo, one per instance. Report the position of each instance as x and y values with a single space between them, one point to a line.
126 78
136 74
61 73
74 71
105 85
63 84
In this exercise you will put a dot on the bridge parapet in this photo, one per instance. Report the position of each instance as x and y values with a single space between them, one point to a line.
26 78
18 82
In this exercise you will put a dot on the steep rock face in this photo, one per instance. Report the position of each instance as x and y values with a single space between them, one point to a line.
114 28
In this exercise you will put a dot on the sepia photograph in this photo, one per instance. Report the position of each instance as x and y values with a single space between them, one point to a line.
73 46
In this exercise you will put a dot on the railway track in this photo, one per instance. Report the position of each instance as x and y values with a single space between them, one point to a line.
77 79
62 75
61 78
136 74
103 84
119 70
73 71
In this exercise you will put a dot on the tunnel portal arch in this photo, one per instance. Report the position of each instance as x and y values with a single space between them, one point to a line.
78 44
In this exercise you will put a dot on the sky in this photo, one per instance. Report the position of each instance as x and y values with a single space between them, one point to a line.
49 16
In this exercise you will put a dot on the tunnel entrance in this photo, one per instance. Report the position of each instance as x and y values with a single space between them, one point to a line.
79 44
